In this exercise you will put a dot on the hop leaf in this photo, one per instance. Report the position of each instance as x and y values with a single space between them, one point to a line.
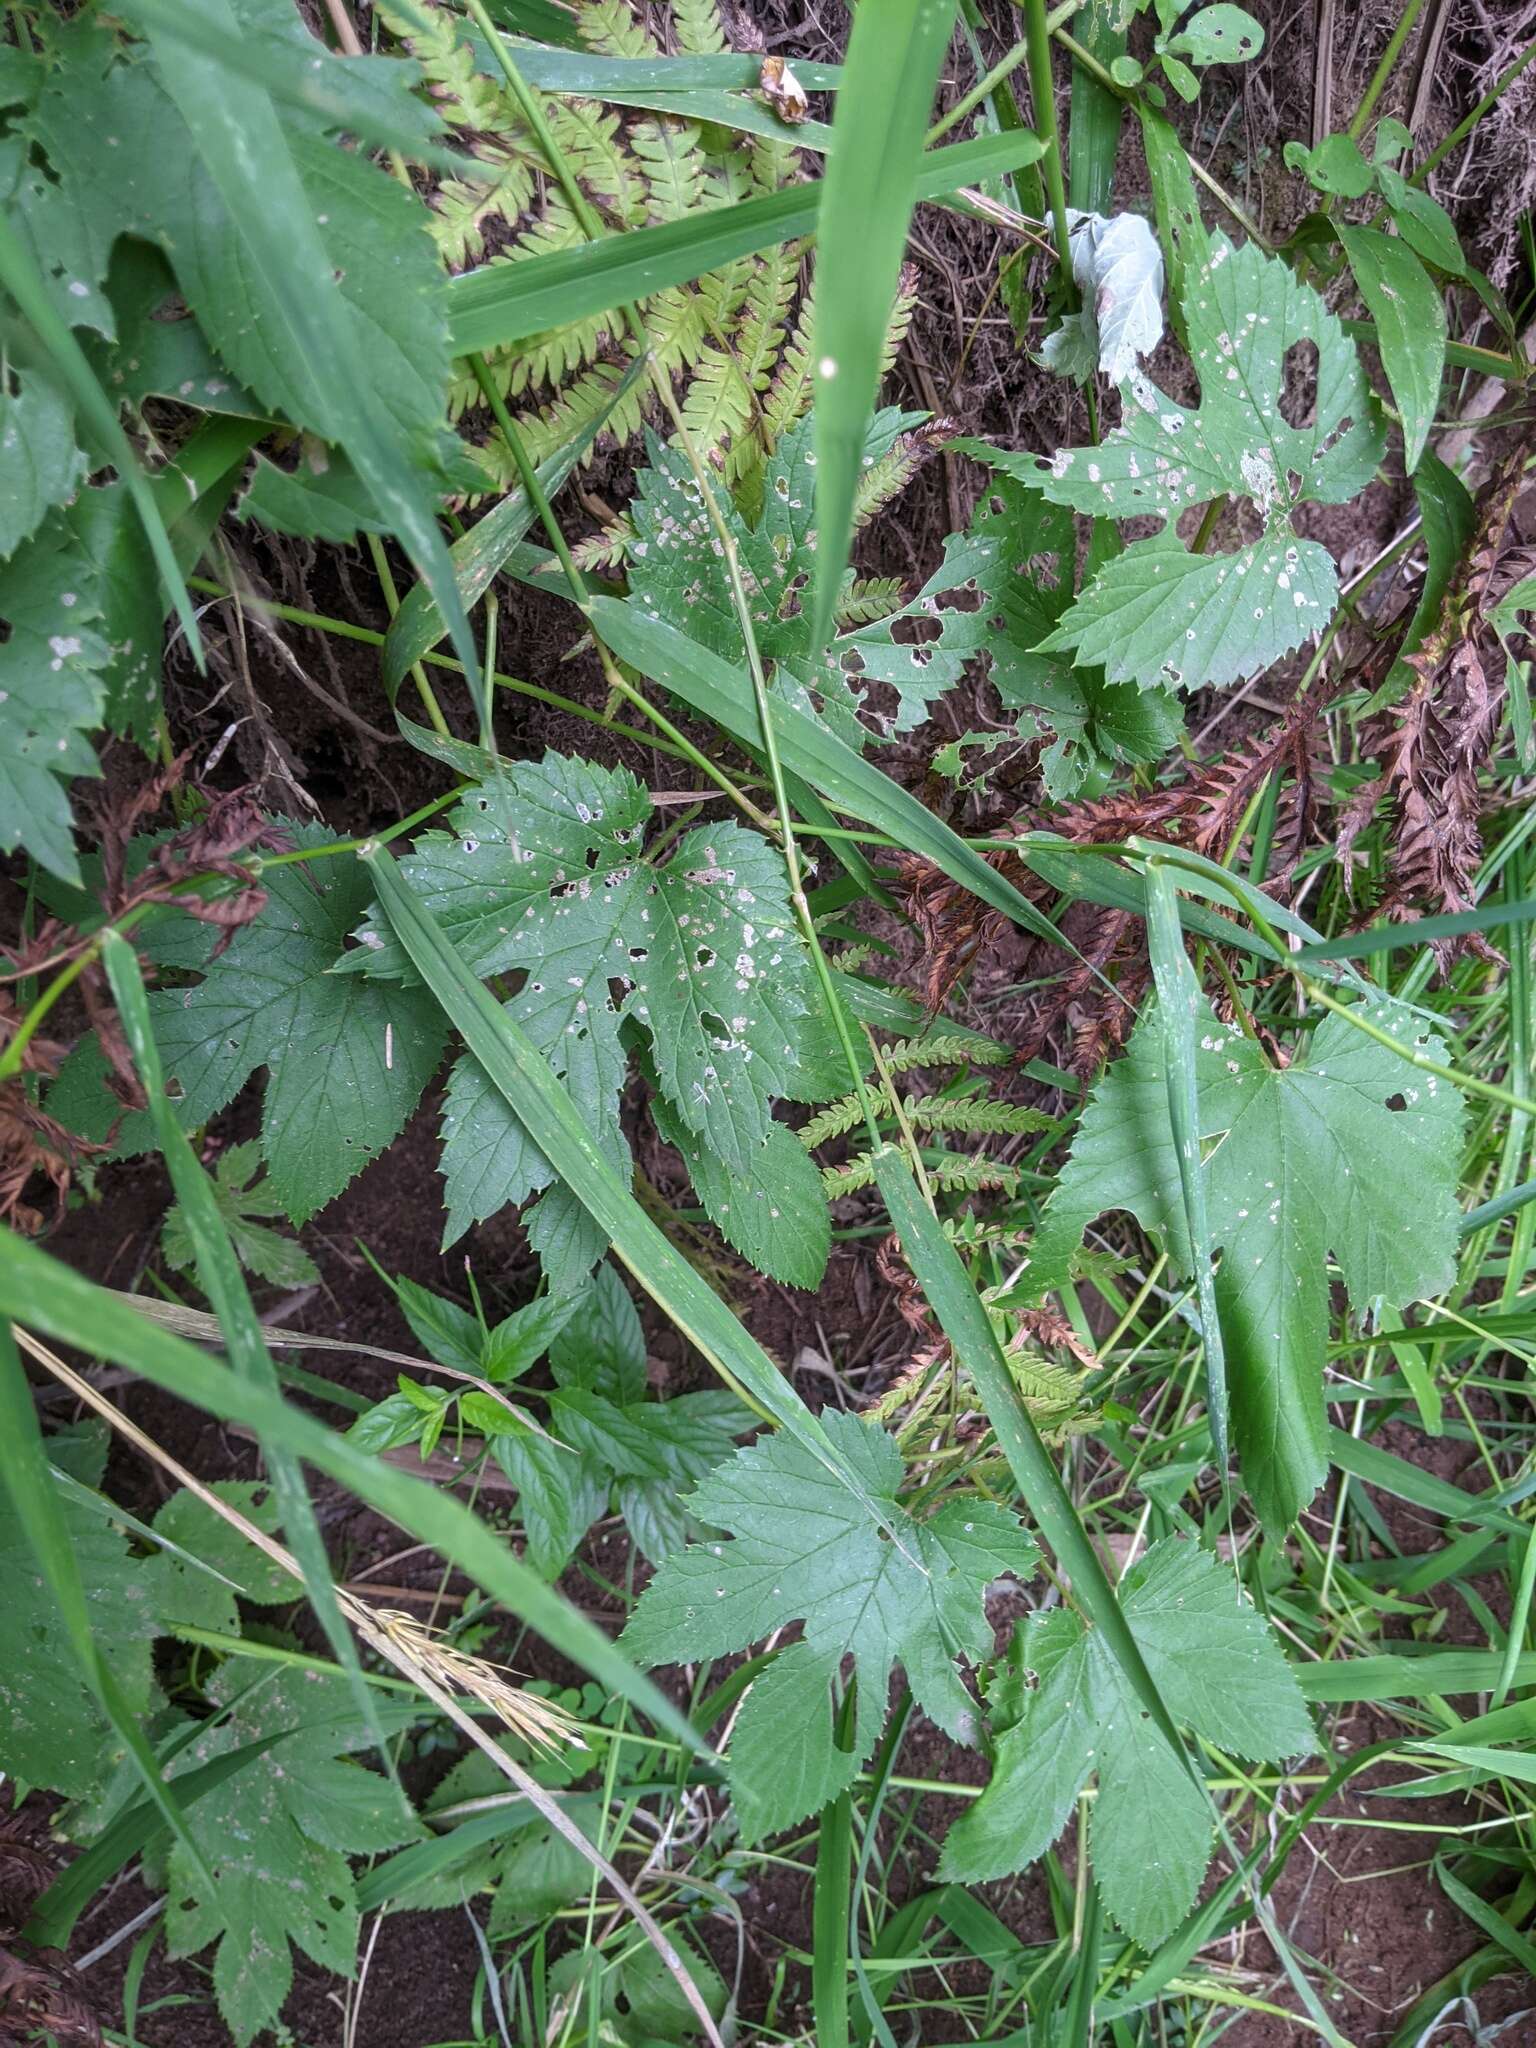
543 876
1220 1672
803 1549
1349 1151
1159 614
998 592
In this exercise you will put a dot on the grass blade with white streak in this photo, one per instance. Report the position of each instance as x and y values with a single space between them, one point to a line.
892 66
1178 997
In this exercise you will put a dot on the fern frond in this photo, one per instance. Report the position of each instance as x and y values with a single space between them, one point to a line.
956 1175
611 28
904 306
606 548
717 404
672 164
774 163
891 472
974 1115
462 207
789 395
592 139
949 1047
698 28
869 599
434 36
835 1121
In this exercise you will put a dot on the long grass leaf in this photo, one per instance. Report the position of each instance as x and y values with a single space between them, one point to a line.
500 303
890 72
38 1291
219 1274
1178 1002
235 126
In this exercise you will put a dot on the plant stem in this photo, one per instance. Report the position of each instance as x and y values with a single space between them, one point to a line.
424 689
1042 88
1383 71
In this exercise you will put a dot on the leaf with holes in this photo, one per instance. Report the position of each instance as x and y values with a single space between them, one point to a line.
543 877
997 594
1159 613
678 571
1073 1714
800 1550
1350 1151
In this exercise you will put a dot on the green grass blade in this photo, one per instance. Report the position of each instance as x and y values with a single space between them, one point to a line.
235 125
1178 999
831 1906
891 69
500 303
219 1275
722 692
25 1477
544 1107
18 274
38 1291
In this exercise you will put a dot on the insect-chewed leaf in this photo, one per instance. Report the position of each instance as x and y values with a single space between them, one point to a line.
677 570
42 464
543 876
998 593
1350 1152
1159 614
802 1549
1219 1670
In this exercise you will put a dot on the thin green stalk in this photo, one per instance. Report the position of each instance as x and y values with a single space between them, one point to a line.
424 689
1383 71
1002 70
1042 88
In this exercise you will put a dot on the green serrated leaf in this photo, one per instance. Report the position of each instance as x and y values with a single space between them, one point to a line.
1158 613
1220 1672
197 1596
278 1836
243 1199
803 1550
998 593
775 1215
40 466
544 875
346 1059
1348 1151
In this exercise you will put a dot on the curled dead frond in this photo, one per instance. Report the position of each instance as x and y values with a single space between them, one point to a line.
541 1723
